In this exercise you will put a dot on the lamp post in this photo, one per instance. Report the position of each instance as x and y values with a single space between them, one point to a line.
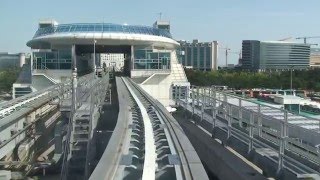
94 56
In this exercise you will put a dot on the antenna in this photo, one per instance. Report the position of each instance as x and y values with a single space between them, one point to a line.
160 15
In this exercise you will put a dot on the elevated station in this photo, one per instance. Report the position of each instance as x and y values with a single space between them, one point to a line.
150 54
72 118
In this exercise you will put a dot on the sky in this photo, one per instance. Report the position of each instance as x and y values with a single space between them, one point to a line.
227 21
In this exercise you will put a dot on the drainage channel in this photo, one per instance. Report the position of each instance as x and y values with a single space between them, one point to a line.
153 153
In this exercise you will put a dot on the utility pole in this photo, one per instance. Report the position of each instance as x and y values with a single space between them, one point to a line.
227 57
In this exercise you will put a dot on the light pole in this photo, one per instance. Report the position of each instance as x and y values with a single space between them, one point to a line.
94 56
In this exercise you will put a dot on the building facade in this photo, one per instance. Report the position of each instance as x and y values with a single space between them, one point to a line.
112 60
315 58
199 55
148 54
274 55
8 60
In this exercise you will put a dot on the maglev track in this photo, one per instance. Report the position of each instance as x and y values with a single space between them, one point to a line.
147 142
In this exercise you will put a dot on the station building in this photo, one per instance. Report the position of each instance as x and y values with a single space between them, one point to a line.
149 52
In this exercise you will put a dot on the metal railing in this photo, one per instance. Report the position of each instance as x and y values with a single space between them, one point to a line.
246 117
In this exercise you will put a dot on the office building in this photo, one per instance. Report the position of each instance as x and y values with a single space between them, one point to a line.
199 55
8 60
315 58
274 55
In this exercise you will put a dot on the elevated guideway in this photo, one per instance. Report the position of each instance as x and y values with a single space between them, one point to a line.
270 137
147 142
28 121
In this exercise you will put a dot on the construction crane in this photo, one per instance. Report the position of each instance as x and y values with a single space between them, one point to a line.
307 37
286 39
236 52
227 49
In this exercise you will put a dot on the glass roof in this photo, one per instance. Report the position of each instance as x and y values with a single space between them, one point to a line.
102 27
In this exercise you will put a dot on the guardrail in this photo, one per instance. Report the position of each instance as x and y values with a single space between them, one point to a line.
250 125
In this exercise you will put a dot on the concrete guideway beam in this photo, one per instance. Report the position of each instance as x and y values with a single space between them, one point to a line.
149 165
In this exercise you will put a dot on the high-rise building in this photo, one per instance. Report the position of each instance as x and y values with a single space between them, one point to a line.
199 55
8 60
274 55
315 58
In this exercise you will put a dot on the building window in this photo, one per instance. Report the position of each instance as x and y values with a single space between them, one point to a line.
147 59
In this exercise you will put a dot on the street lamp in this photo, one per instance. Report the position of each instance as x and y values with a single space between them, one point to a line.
94 55
291 69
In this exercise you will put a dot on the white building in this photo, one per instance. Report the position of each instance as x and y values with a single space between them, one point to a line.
112 60
149 54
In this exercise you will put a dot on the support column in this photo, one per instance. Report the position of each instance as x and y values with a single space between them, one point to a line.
74 78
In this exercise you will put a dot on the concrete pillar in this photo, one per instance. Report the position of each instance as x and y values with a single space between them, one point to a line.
132 59
22 58
74 78
31 61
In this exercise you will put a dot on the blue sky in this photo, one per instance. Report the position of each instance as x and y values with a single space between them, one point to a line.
228 21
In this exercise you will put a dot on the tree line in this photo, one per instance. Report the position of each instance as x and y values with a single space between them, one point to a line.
7 78
301 79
